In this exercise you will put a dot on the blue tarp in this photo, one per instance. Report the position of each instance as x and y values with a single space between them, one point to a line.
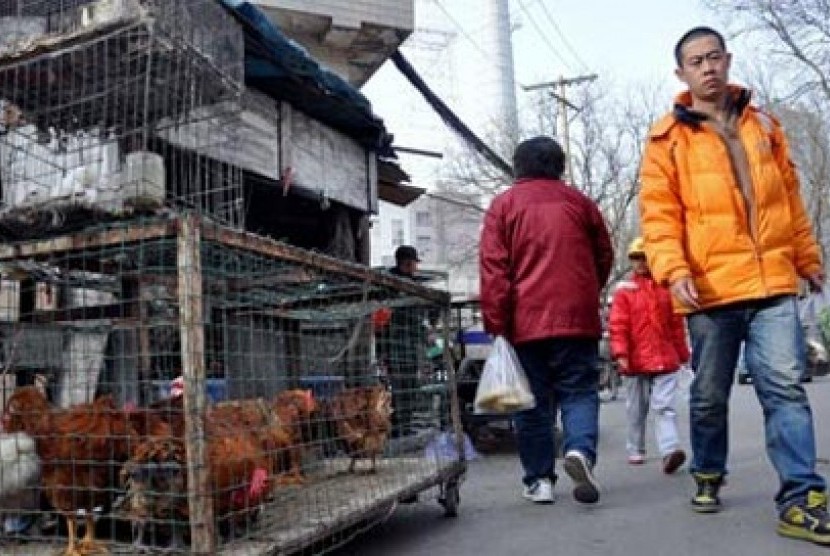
282 69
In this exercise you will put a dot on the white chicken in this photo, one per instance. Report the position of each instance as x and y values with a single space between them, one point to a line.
19 476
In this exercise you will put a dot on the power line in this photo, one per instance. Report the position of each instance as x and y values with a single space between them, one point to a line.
561 35
463 32
449 117
488 56
543 35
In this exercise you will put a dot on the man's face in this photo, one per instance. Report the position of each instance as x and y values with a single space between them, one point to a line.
704 68
408 267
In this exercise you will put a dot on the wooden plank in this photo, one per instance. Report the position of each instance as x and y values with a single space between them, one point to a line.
271 248
45 248
200 499
137 309
329 162
77 314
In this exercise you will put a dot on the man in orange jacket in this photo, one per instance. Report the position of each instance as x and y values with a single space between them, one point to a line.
648 343
725 227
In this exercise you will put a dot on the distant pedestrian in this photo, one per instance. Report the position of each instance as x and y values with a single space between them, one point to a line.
725 227
648 343
545 255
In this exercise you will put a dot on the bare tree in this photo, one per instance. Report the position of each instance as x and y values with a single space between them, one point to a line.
607 144
608 135
796 32
793 38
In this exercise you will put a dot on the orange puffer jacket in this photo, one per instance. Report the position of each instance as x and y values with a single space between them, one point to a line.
694 217
645 330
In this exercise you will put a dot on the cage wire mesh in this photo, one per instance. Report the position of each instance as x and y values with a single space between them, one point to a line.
116 107
177 385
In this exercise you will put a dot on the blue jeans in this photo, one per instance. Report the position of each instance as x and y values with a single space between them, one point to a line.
771 331
562 373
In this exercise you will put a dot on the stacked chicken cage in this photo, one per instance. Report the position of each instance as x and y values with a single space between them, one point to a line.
170 382
116 107
223 393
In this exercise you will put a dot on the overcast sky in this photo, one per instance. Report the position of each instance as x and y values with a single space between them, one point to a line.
625 42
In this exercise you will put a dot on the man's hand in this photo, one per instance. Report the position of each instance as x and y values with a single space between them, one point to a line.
684 290
622 363
816 281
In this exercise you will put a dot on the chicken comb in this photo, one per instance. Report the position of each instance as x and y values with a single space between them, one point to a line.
308 396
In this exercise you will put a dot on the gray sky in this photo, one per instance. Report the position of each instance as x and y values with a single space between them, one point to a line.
626 42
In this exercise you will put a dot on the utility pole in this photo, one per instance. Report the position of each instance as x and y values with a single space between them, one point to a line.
561 86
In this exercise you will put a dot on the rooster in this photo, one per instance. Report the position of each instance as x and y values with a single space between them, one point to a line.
79 448
256 420
362 417
157 482
294 408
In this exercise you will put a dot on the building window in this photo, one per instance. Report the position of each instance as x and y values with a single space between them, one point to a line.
397 232
423 244
423 218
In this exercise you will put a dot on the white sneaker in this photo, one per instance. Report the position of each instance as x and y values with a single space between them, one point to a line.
586 488
540 492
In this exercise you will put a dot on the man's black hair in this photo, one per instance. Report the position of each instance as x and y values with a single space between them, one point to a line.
696 33
540 157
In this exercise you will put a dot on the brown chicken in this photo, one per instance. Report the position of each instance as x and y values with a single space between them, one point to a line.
148 422
171 411
80 449
362 417
156 479
295 409
257 420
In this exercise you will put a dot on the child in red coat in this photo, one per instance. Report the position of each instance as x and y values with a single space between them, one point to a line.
648 343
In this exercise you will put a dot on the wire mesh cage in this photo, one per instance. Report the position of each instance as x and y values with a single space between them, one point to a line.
118 107
200 390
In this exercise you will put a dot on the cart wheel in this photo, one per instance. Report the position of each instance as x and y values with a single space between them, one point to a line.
450 499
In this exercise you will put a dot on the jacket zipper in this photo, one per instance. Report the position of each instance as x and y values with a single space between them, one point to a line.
749 206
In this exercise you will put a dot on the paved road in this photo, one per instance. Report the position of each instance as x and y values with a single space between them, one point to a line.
642 511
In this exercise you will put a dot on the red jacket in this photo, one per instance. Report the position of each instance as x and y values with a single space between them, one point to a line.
544 256
644 328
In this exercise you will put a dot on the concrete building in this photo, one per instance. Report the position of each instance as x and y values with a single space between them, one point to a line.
463 50
352 38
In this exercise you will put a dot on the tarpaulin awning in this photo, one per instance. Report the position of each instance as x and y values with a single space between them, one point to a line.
283 69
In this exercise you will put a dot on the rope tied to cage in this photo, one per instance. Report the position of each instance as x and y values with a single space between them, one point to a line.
360 322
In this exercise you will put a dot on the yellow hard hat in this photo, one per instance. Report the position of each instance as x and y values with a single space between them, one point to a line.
636 247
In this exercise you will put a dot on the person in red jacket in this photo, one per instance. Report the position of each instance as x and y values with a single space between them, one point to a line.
545 255
648 343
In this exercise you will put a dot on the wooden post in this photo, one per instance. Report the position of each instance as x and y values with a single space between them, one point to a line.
137 310
191 324
452 385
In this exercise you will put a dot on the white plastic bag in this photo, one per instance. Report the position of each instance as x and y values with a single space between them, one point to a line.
503 387
815 316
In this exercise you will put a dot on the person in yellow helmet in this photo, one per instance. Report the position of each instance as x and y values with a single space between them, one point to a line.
648 343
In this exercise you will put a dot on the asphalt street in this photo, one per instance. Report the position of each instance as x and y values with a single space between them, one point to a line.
642 511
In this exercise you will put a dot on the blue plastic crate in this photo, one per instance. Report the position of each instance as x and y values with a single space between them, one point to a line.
323 387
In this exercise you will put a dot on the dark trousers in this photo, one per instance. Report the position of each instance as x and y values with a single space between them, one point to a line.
563 373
